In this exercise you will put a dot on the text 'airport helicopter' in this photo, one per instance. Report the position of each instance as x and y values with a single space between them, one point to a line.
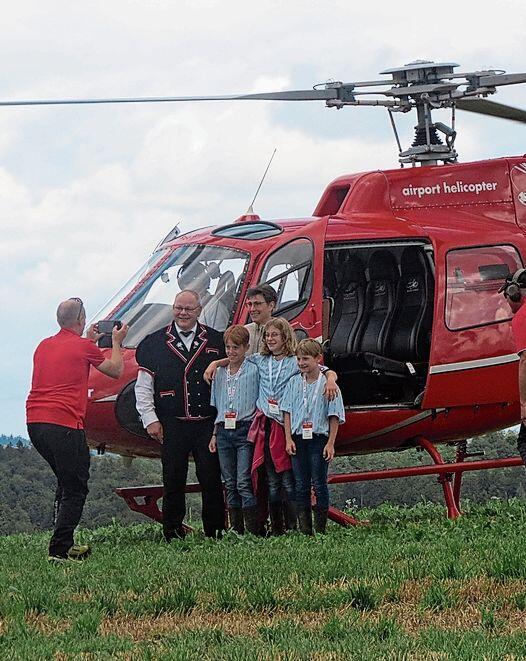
396 271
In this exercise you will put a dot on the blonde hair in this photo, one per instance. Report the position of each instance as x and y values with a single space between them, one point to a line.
309 347
283 326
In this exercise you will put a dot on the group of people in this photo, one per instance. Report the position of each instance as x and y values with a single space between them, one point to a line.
251 406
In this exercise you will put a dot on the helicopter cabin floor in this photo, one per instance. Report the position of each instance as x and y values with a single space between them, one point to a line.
378 314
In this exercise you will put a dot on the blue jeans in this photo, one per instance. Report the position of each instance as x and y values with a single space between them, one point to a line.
310 470
277 482
235 458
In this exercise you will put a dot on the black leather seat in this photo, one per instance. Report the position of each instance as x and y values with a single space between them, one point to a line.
380 298
349 307
411 329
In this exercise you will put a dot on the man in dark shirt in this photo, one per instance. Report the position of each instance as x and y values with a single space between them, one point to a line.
56 408
173 401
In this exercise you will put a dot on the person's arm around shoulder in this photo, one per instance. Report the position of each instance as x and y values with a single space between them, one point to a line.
114 366
328 450
210 371
331 389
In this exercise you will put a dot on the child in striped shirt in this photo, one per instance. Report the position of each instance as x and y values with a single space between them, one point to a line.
311 424
234 393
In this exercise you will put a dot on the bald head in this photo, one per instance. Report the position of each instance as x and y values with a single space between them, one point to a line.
71 314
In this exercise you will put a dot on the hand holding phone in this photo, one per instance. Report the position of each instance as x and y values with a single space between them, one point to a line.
107 325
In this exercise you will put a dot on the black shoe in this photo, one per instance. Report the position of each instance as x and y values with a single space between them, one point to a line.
77 553
214 533
178 533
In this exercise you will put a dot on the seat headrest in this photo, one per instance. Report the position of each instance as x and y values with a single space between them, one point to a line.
412 261
382 266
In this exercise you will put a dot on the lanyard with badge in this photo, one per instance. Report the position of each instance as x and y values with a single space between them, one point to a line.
308 408
273 404
231 388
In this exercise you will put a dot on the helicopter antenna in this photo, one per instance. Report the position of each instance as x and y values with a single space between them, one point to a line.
251 206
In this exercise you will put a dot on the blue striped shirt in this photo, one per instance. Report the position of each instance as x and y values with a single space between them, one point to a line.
246 390
273 388
318 411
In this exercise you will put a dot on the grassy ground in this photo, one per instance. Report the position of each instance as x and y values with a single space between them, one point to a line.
410 585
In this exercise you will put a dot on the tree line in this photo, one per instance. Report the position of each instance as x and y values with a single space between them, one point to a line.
26 497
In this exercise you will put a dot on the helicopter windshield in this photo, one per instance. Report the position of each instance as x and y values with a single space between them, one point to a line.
145 302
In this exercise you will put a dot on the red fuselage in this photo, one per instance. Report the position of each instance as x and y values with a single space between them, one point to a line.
464 224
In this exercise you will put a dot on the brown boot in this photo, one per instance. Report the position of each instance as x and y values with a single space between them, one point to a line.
320 519
277 524
235 514
252 524
305 520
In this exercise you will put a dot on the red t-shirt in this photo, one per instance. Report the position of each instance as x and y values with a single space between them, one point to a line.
518 327
59 388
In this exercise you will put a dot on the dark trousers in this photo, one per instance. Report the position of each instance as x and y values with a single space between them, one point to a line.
181 438
310 471
67 453
521 442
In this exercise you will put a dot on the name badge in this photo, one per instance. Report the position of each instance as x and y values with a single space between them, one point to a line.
306 430
230 419
273 406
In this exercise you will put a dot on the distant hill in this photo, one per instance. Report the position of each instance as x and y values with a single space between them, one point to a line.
13 440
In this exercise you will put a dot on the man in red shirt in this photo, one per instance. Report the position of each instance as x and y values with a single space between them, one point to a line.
56 408
514 290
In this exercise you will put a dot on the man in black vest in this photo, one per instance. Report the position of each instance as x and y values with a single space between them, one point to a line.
173 401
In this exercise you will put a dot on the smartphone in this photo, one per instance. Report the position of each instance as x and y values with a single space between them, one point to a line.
106 327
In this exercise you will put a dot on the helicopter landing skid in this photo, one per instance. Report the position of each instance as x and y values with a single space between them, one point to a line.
449 474
145 500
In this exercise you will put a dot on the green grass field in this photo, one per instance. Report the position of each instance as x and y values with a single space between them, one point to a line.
409 585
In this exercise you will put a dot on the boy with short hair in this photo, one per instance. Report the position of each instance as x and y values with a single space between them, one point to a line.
311 424
234 394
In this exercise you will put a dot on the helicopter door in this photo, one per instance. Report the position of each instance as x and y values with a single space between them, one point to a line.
295 271
473 359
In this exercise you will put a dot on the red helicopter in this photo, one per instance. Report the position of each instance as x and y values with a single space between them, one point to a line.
397 272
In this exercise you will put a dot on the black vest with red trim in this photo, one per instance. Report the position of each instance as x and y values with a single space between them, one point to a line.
179 388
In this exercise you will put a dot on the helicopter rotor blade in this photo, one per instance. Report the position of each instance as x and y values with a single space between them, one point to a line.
291 95
485 107
502 79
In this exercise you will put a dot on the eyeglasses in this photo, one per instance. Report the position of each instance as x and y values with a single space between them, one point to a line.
272 335
180 308
255 304
81 308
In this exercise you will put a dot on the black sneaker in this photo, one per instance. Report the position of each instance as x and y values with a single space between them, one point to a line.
79 552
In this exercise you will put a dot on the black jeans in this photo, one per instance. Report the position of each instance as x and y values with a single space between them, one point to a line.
181 438
67 453
521 442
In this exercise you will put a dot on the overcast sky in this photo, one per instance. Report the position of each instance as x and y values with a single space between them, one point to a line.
87 192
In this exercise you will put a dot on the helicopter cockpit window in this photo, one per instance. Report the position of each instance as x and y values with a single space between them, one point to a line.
145 303
474 276
289 271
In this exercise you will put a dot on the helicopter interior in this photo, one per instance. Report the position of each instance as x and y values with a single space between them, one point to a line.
378 314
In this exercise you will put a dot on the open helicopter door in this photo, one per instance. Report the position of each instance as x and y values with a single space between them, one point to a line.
294 268
473 360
